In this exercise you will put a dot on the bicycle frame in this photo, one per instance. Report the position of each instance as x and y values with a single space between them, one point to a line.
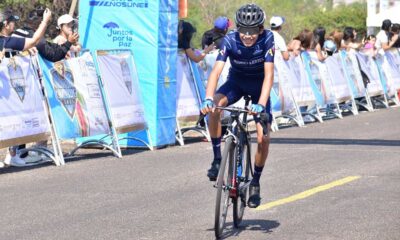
237 130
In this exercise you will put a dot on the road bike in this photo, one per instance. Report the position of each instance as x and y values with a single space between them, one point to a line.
235 172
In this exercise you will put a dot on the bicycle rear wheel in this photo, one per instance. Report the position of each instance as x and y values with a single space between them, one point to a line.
224 182
240 202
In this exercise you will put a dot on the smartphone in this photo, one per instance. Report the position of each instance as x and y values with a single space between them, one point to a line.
75 27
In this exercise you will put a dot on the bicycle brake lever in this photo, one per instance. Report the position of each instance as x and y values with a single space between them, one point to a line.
264 118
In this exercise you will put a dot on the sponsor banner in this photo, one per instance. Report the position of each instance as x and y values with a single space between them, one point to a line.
391 71
353 74
301 88
121 85
22 115
187 101
339 83
322 77
281 86
75 97
371 71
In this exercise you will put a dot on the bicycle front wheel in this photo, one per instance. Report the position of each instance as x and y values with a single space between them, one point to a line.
242 154
224 182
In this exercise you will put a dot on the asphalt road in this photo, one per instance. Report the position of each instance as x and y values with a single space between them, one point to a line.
165 194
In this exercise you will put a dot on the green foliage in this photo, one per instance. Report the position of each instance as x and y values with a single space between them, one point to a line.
299 14
22 8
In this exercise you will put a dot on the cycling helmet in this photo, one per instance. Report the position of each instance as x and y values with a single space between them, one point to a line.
249 16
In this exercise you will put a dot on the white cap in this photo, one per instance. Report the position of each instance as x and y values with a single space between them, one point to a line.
64 19
276 21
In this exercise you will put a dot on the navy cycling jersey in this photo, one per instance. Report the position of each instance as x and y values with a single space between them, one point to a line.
247 60
14 43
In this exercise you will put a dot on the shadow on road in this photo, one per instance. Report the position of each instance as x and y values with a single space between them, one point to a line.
327 141
259 225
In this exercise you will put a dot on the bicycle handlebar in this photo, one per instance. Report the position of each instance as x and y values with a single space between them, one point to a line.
264 117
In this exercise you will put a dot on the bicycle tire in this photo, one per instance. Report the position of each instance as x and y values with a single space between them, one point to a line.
224 176
240 202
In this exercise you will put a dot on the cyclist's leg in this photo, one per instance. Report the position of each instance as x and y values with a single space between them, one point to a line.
260 155
227 94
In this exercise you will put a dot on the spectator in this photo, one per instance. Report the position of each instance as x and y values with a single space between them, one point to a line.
329 47
349 38
382 39
301 42
337 37
13 45
318 42
217 34
369 45
276 23
67 27
185 34
395 30
7 25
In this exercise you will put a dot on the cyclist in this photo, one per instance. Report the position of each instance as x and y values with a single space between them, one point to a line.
251 53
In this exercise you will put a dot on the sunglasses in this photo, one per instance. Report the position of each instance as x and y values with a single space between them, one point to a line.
249 31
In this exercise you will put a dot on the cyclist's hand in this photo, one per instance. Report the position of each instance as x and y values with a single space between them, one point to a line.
256 108
207 106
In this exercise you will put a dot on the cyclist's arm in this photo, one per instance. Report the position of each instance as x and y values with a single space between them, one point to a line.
213 78
267 84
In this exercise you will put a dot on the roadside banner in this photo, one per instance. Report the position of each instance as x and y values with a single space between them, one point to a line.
352 73
187 100
75 97
339 83
23 118
301 88
371 71
391 71
121 85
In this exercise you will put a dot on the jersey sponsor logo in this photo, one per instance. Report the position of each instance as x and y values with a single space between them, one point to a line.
17 78
257 51
270 52
63 82
222 51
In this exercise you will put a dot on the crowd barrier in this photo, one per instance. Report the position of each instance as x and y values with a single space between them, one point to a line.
190 93
23 110
80 101
346 81
100 97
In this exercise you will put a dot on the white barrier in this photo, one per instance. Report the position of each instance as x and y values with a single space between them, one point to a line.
355 79
188 99
23 112
340 84
121 86
283 103
76 101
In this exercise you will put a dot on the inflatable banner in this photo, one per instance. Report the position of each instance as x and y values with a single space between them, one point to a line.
121 85
23 117
352 72
75 97
149 29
